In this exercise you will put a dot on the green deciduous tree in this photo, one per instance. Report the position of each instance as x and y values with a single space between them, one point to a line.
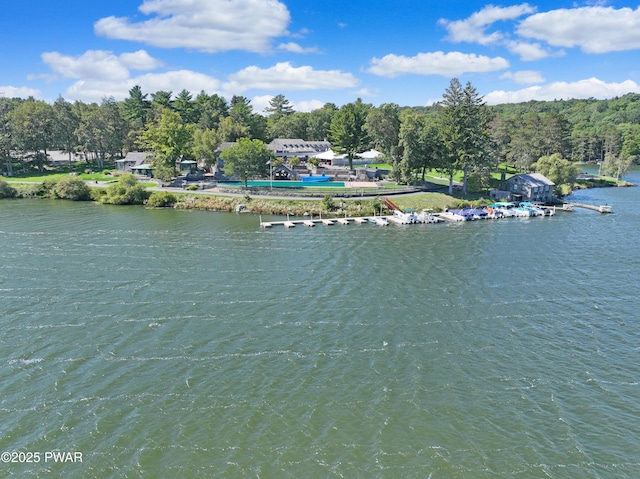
170 139
319 122
383 127
230 130
205 144
65 126
32 128
557 169
294 125
420 146
247 158
347 132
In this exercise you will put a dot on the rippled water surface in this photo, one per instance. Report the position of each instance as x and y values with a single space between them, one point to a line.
191 344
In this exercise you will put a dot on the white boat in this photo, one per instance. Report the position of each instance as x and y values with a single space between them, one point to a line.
405 218
448 215
604 208
427 217
379 220
507 210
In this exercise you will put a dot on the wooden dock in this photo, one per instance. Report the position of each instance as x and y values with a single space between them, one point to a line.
310 222
599 209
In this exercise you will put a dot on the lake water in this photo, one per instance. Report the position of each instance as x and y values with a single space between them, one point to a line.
175 344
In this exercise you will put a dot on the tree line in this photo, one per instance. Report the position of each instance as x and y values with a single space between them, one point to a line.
459 133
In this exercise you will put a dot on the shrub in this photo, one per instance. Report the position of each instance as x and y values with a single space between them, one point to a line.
71 188
161 199
31 190
328 203
126 191
48 185
6 190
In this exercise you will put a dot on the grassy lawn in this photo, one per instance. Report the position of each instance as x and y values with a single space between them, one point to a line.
57 173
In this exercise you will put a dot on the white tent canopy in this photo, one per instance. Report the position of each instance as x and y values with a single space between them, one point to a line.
329 155
369 155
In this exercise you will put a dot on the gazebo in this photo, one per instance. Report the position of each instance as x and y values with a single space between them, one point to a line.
143 170
188 165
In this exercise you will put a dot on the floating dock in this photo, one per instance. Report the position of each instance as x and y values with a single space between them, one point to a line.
600 208
310 222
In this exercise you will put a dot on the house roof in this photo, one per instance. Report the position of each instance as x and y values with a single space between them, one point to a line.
138 156
297 145
224 145
533 179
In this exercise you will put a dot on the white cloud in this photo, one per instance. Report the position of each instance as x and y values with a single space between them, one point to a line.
94 90
473 28
310 105
205 25
91 64
99 64
524 77
283 76
589 88
593 29
7 91
435 63
140 60
367 92
260 102
528 51
296 48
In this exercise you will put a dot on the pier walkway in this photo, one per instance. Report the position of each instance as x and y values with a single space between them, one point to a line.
310 222
600 208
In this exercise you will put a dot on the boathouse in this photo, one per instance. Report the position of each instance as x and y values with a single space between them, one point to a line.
525 187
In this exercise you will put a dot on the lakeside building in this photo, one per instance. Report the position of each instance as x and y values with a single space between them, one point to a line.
288 148
525 187
131 160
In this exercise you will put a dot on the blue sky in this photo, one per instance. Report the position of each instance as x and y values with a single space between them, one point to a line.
401 51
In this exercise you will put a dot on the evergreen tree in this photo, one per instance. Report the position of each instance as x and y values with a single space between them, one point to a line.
463 122
185 106
210 109
278 107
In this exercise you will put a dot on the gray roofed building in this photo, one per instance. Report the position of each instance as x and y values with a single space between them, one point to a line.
132 158
526 187
292 147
